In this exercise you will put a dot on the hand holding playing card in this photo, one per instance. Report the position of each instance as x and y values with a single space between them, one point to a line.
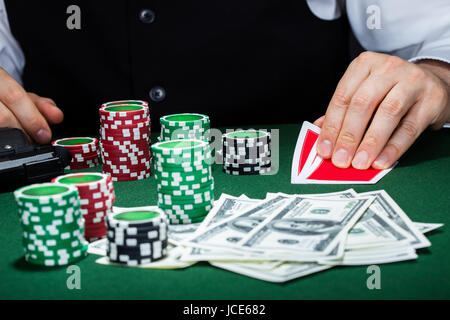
309 167
400 97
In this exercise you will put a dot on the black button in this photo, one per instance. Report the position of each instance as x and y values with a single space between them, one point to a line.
157 94
147 16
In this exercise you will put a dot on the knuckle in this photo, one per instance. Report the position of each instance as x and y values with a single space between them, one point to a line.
365 56
340 99
360 101
347 138
409 128
438 94
13 94
393 62
391 107
330 129
394 149
416 74
370 141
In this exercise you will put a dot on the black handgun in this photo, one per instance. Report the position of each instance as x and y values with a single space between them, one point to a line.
23 163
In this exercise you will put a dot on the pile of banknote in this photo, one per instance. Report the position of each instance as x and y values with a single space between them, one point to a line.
283 237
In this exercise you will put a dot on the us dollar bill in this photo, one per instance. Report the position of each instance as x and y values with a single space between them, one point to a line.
384 205
427 227
283 272
225 207
374 230
306 227
228 206
231 230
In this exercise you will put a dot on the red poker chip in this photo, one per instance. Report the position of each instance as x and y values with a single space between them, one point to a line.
121 126
119 122
93 225
81 160
135 115
90 202
84 166
118 155
127 163
131 140
89 194
84 154
89 190
124 111
125 102
129 156
126 149
132 135
131 174
126 166
128 178
97 205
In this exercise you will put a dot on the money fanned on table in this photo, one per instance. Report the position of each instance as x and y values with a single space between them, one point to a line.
284 237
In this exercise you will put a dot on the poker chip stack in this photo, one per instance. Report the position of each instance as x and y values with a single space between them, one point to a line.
125 140
97 197
246 152
137 237
84 151
182 169
52 224
184 126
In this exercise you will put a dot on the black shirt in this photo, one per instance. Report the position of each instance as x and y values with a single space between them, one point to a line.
241 62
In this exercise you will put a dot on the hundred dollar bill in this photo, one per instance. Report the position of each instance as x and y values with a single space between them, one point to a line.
374 230
227 206
306 227
386 206
231 230
427 227
284 272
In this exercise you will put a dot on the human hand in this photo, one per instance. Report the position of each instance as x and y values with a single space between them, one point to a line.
380 106
26 111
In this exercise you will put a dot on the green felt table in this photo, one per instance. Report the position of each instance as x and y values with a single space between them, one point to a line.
419 184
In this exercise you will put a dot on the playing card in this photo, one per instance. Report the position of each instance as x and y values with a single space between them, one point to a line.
311 168
305 143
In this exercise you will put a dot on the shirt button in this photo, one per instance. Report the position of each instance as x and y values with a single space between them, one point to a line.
147 16
157 94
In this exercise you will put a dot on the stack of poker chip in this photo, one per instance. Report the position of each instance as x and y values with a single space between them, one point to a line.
52 223
184 126
97 197
84 151
137 236
246 152
182 169
125 140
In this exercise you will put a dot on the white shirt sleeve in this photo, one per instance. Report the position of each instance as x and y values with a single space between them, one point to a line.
411 29
12 58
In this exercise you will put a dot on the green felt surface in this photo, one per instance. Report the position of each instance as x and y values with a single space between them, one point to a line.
419 184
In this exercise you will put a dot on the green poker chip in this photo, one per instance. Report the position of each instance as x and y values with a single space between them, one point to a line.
52 222
182 170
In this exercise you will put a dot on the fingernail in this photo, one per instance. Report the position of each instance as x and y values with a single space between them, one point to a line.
325 148
360 160
340 158
43 136
381 162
